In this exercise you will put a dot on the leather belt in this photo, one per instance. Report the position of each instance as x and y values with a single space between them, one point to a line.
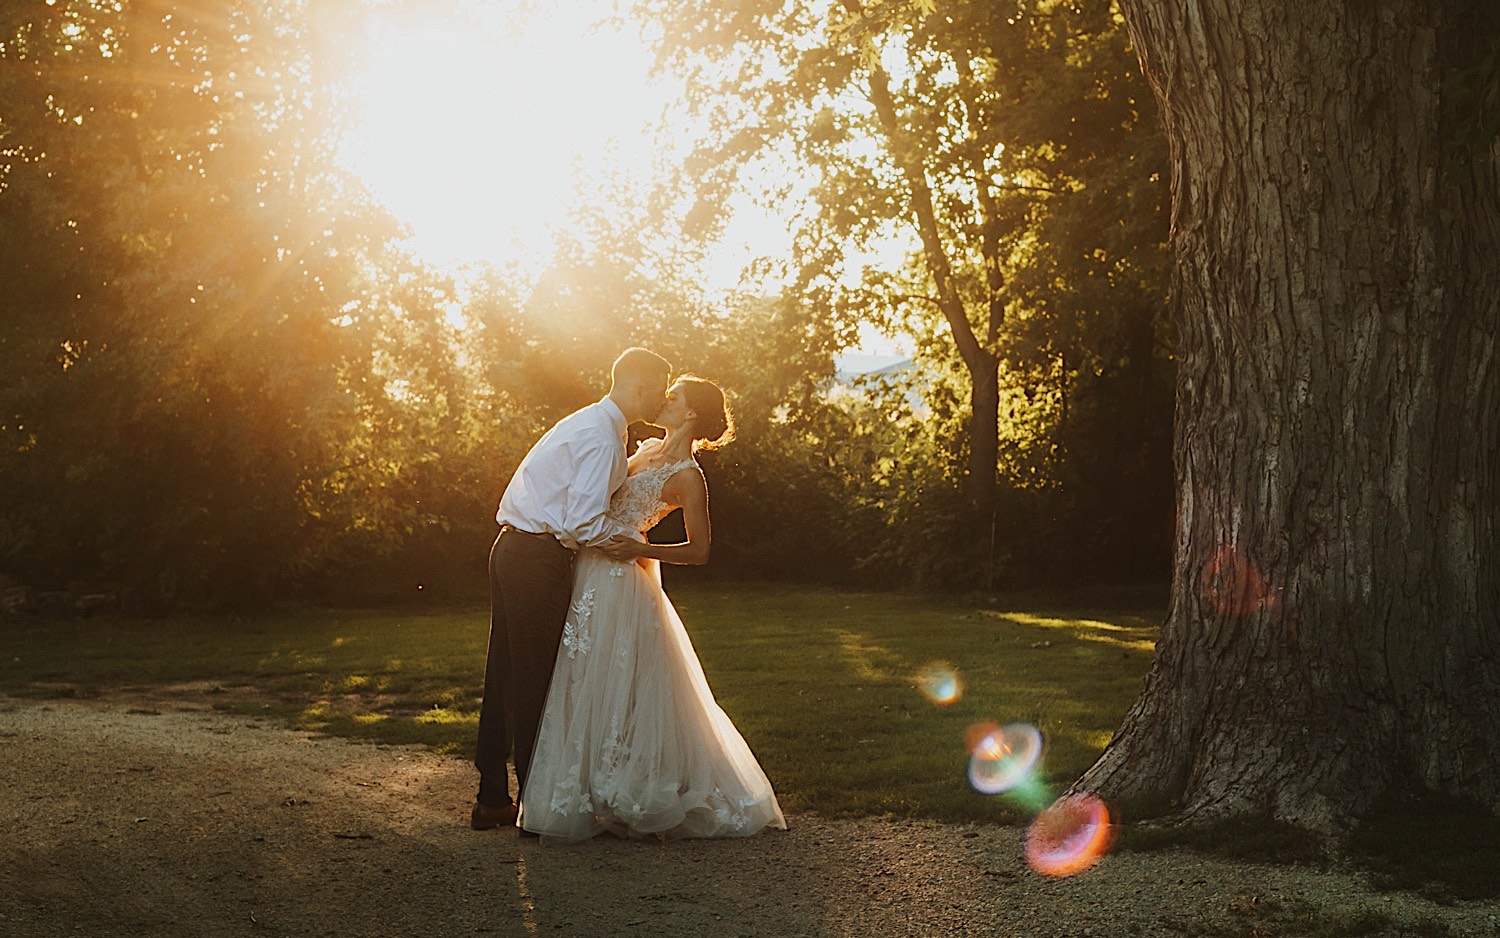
516 530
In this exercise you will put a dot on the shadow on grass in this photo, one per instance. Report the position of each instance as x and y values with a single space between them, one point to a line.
1443 849
1258 917
1245 839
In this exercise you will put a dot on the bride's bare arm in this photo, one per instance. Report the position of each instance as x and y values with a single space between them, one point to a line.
688 491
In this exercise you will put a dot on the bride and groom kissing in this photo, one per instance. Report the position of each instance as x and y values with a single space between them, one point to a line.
591 682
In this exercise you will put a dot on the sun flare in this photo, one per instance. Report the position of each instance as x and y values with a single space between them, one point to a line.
481 125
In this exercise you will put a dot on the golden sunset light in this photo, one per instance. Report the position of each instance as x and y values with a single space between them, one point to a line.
1003 445
482 125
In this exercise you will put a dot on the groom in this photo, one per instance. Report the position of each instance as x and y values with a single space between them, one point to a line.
554 504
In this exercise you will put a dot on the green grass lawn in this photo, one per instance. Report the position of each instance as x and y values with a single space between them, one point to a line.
822 683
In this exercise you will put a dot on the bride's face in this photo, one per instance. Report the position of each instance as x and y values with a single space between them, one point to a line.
675 412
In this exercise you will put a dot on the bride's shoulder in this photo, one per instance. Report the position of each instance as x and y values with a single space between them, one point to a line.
687 470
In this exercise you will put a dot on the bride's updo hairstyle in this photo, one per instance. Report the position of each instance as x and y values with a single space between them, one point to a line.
713 425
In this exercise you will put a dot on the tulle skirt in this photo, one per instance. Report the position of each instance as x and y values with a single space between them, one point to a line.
632 741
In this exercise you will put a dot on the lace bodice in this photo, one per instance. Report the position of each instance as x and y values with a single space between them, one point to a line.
638 502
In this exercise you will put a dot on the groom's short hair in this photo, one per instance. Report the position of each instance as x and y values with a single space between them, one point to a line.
638 365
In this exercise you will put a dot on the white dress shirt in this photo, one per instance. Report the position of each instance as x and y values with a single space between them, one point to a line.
563 485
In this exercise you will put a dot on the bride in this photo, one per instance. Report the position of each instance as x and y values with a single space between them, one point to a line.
631 740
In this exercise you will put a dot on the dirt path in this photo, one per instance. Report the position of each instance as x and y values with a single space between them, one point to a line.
121 820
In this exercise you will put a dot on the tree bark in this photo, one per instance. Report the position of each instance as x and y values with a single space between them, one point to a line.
1335 614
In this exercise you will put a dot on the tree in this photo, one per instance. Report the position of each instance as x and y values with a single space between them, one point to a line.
1086 348
195 352
1334 630
923 118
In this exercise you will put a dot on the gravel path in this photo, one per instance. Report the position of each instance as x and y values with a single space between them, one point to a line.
180 821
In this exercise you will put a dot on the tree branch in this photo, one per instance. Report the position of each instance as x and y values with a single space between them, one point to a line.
949 302
1017 187
989 233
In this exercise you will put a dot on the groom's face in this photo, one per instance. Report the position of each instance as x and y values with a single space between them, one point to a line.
653 398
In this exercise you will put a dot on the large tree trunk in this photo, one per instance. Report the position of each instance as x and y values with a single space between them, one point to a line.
1335 616
984 442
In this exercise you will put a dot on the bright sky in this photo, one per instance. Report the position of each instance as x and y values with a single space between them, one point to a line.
483 129
483 123
475 127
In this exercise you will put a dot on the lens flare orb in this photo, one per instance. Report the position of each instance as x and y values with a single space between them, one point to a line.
1069 836
1235 585
939 683
1002 757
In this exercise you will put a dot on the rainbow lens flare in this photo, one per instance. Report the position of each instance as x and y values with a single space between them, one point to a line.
1002 757
1234 585
939 683
1069 836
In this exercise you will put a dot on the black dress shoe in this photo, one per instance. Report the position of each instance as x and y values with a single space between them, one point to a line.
486 818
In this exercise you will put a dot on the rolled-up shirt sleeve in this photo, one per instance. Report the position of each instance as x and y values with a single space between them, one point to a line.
586 524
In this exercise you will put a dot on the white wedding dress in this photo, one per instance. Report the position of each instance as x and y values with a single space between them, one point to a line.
631 740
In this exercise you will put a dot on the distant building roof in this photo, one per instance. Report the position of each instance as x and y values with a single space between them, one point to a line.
849 366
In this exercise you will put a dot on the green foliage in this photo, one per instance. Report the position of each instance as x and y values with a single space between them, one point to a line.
1016 146
224 382
179 383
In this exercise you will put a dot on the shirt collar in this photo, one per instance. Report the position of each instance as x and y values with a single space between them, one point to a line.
615 414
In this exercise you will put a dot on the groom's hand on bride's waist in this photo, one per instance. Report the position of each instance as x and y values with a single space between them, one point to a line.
621 547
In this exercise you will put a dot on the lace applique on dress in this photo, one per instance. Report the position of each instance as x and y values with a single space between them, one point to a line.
575 637
731 814
612 754
568 796
615 751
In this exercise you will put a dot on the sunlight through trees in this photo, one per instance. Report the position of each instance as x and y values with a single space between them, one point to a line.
232 375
